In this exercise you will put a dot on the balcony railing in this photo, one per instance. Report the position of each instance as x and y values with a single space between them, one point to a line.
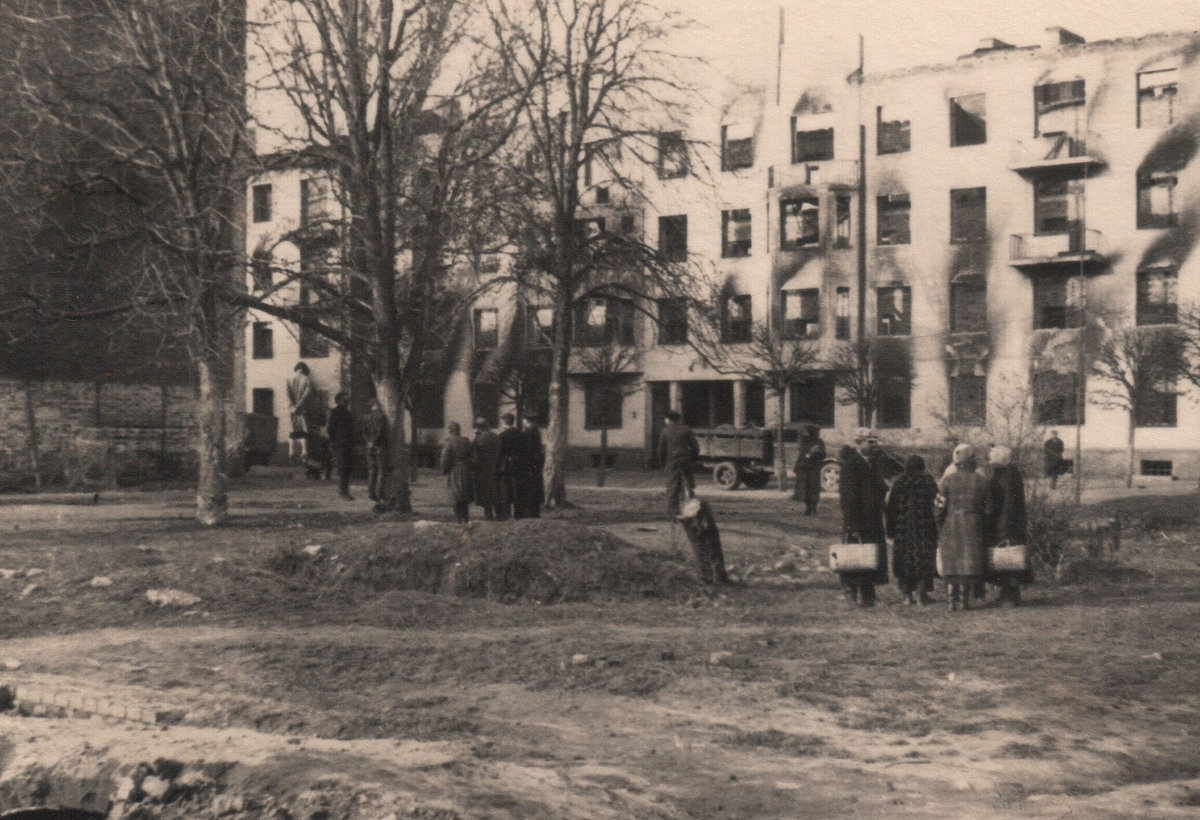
1074 247
1054 152
842 173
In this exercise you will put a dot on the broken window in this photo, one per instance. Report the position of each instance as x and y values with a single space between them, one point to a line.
968 400
539 326
673 238
261 205
737 319
737 146
811 400
893 219
841 223
801 222
1157 297
604 401
1059 107
672 322
487 328
1156 206
812 146
968 306
968 215
262 341
735 233
1056 205
895 311
891 136
968 120
802 313
604 321
841 329
1158 93
314 200
1056 398
672 155
1056 302
590 228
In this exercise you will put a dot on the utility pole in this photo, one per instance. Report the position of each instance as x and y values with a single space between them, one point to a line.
1081 364
862 239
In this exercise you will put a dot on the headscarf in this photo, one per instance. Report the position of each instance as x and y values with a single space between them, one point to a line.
914 465
963 456
1000 456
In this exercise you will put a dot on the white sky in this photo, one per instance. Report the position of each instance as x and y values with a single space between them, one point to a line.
740 36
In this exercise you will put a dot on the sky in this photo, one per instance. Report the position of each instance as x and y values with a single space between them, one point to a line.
739 37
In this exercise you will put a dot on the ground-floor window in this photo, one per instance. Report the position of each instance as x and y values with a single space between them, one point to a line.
707 403
968 400
812 400
604 401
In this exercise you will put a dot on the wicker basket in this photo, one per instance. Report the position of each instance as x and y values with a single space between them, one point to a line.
853 557
1008 558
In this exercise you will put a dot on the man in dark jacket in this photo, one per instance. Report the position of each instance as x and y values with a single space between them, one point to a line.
486 451
1054 449
341 441
509 460
679 450
808 469
531 491
863 491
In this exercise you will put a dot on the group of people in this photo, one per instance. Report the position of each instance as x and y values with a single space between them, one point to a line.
501 472
938 527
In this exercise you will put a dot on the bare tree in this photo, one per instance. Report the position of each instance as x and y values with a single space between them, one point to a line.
868 370
611 369
602 84
1136 368
405 106
142 100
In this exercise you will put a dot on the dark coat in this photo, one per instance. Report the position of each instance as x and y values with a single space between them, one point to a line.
1054 449
341 427
531 460
485 450
862 492
808 469
960 543
678 447
912 525
510 451
1004 517
456 466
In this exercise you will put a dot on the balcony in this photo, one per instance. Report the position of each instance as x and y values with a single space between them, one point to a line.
1054 153
1079 248
830 173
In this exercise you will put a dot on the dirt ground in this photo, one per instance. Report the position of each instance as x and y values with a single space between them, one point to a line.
332 683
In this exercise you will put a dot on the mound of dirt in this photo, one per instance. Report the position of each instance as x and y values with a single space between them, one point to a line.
546 561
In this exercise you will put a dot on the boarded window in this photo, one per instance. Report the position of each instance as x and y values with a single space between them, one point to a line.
892 136
735 233
487 328
802 313
812 146
1156 206
737 320
261 205
895 311
800 223
1158 93
968 215
1157 297
672 156
841 314
968 120
673 238
841 223
604 400
968 306
968 400
1056 302
1056 397
262 401
1059 107
737 147
263 341
894 211
672 322
812 400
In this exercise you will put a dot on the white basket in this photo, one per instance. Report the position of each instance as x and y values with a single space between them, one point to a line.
853 557
1008 558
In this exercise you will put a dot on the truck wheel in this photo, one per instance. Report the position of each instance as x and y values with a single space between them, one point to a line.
756 480
727 475
831 477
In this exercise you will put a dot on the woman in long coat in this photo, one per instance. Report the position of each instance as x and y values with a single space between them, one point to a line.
912 526
1004 519
862 492
808 469
456 466
960 546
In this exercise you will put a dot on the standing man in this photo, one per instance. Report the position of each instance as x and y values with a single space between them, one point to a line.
301 404
486 451
812 459
375 436
1054 458
679 450
510 457
341 441
456 467
862 491
531 490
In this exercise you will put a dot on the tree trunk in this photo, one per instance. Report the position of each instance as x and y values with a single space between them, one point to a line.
603 456
556 432
397 491
780 467
1132 434
212 504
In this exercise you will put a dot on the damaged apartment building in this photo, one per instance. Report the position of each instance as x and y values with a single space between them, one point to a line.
959 222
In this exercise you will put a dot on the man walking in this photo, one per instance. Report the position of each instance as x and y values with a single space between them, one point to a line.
486 451
509 458
341 441
679 450
1054 448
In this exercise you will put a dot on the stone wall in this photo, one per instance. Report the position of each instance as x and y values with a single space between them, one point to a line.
98 432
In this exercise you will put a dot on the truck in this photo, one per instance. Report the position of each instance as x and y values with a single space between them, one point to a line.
746 455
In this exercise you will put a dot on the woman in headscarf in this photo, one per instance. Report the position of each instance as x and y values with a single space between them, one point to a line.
912 527
862 490
456 466
1004 520
960 546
